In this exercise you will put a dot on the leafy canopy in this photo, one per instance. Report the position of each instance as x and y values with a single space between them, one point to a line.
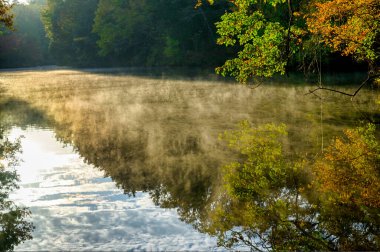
6 17
348 27
270 36
260 32
273 203
261 42
350 169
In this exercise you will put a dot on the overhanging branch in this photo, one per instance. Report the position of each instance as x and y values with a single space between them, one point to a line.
352 95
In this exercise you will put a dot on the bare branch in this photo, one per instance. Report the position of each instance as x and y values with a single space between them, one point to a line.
319 97
309 235
287 50
369 78
328 89
256 86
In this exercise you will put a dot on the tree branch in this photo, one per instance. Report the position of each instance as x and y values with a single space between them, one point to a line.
290 13
307 234
352 95
256 86
240 236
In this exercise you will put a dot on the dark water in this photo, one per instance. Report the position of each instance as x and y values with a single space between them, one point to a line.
119 162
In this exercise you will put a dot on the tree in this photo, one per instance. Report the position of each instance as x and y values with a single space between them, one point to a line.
351 28
350 169
270 202
347 180
14 228
348 27
266 34
27 45
126 29
270 35
264 206
6 18
68 25
158 33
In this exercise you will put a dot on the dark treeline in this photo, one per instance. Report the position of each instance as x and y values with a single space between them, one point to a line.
27 44
91 33
107 33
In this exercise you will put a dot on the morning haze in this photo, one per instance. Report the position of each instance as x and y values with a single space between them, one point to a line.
189 125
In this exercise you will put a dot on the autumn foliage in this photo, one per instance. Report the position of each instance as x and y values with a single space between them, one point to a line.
349 171
325 203
350 27
271 35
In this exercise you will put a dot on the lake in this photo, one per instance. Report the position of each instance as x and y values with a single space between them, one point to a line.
132 161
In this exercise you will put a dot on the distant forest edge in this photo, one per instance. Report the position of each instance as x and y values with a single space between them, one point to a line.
94 33
110 33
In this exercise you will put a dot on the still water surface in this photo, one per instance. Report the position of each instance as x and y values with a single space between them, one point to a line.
118 161
75 207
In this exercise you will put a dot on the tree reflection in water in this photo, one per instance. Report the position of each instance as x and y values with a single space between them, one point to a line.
14 227
162 139
268 200
274 204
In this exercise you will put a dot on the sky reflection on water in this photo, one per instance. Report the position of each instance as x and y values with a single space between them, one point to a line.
75 208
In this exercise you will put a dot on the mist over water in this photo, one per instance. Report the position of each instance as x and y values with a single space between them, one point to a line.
115 160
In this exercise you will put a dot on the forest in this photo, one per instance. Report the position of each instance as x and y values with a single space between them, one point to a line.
291 165
251 38
95 33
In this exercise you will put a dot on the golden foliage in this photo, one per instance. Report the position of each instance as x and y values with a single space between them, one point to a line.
347 26
349 171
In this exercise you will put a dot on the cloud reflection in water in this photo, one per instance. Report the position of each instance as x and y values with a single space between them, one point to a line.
74 207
